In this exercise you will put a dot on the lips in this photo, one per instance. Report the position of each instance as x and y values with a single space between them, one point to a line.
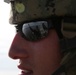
25 71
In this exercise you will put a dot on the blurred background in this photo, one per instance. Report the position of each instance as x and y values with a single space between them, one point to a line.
7 32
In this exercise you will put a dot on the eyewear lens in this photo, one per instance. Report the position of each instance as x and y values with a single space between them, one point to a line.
34 31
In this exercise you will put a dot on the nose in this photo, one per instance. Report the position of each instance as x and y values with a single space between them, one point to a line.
18 48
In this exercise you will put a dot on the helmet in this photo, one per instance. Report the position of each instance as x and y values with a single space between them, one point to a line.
27 10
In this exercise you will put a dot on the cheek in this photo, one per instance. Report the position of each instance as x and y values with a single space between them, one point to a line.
47 52
46 56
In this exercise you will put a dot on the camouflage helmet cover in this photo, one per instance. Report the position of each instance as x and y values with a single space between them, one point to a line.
27 10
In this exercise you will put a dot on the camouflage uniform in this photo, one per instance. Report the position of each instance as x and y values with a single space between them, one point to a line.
29 10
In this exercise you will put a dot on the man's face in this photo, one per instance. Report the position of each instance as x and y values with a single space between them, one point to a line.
37 58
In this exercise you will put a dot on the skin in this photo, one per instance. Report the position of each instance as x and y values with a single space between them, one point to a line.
43 56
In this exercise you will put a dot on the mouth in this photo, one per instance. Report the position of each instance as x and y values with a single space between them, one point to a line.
25 71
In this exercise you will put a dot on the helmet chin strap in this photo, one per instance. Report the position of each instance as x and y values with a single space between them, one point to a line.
68 48
60 71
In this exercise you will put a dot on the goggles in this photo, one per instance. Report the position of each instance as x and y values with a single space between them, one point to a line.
34 31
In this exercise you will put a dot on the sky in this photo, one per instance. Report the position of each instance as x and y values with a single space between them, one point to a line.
7 33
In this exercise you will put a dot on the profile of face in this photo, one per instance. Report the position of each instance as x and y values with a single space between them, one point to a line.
37 58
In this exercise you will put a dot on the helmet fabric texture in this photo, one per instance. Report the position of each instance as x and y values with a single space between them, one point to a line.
27 10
